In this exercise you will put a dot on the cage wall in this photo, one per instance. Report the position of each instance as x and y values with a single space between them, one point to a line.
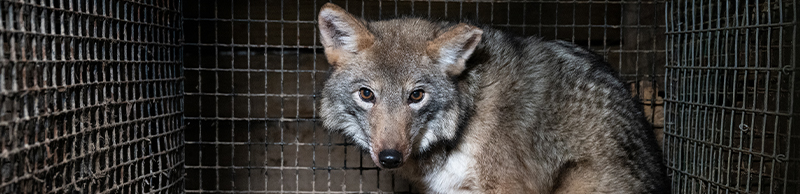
90 97
254 70
732 93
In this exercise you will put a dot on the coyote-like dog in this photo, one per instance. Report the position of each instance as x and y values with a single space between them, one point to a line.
458 108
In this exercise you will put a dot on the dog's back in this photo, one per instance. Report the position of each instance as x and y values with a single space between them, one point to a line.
560 111
460 108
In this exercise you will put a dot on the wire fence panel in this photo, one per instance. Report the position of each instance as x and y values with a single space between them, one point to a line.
732 95
91 97
254 70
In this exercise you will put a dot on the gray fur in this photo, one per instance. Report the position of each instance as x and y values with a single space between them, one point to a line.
535 116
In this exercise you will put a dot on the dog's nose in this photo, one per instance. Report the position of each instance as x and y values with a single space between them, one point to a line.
390 158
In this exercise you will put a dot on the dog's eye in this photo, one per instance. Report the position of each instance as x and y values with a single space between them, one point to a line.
416 96
366 95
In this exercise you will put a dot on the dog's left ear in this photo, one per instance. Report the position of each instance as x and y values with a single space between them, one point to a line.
453 47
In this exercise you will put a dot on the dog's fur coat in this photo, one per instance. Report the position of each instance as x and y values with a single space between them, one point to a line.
499 114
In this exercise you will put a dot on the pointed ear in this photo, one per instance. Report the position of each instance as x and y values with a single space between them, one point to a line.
341 33
453 47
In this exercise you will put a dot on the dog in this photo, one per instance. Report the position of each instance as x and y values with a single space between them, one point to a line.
457 108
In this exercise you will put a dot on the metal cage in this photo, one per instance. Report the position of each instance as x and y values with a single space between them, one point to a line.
92 91
91 97
731 91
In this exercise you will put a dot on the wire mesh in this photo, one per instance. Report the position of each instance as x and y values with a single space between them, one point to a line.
91 97
254 70
731 93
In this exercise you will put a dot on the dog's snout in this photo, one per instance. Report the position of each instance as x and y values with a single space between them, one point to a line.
390 158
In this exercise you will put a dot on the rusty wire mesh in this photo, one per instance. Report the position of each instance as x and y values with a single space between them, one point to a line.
91 97
732 96
254 70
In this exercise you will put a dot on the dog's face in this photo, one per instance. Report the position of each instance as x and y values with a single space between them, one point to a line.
391 88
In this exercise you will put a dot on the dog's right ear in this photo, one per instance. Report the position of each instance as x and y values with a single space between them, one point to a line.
342 34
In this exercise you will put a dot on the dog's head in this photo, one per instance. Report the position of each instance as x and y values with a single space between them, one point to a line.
391 89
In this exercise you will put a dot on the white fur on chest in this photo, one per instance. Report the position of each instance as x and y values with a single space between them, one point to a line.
452 176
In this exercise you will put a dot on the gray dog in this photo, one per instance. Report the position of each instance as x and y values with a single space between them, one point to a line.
460 109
